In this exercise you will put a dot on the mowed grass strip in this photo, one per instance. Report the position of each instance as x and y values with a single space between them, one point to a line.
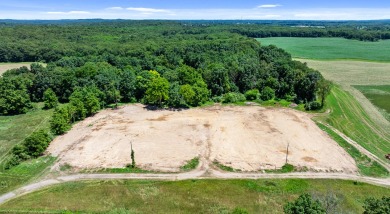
332 48
349 117
191 196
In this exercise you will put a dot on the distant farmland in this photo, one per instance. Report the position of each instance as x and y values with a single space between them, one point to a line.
332 48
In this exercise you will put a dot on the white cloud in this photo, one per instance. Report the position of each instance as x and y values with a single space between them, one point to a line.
69 13
147 10
280 13
269 6
115 8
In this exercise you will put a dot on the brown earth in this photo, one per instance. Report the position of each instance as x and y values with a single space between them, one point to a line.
249 138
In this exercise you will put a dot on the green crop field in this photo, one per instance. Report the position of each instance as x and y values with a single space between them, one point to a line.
190 196
379 95
331 48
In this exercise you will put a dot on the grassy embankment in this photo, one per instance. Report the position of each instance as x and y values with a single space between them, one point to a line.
190 196
13 130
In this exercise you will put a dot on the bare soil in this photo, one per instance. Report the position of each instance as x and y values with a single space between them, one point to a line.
249 138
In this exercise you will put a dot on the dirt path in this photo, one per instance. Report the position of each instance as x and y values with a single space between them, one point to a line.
200 173
360 148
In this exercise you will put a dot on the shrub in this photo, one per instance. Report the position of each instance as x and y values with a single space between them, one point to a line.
253 94
233 97
267 94
304 204
313 106
37 143
376 206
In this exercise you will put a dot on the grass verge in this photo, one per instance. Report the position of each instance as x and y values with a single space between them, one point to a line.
190 196
366 166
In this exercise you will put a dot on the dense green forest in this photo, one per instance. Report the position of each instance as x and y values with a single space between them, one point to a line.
161 63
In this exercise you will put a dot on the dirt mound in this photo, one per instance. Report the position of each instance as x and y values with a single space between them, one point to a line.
247 138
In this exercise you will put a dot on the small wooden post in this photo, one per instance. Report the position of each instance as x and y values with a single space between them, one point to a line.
288 144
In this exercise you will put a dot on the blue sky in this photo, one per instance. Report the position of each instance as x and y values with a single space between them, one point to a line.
196 9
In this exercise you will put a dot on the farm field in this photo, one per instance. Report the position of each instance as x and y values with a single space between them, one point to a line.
191 196
379 95
165 140
332 48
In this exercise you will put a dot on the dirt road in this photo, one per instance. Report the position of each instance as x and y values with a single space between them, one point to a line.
199 173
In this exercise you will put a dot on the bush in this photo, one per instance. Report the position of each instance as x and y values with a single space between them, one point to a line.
267 94
313 106
376 206
33 146
304 204
233 97
37 143
253 94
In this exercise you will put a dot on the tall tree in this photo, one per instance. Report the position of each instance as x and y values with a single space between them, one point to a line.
50 99
323 89
158 91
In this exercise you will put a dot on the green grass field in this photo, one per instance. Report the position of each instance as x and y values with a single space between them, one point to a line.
13 130
332 48
379 95
190 196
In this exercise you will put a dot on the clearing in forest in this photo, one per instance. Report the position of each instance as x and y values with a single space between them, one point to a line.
7 66
248 138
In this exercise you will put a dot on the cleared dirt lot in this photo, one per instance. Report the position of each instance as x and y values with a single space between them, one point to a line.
247 138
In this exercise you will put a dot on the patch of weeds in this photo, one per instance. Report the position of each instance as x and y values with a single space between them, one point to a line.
191 164
123 170
286 168
65 167
225 168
